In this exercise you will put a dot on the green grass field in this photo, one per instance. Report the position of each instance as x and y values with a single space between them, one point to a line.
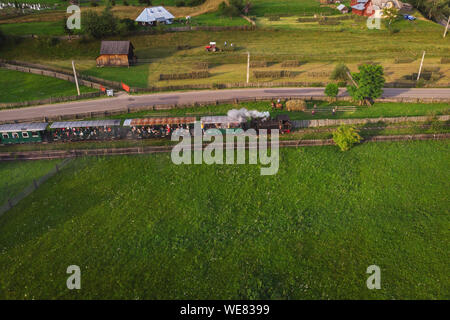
20 86
140 227
15 176
290 7
45 28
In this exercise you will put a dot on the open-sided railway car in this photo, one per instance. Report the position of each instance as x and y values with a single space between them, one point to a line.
158 127
86 130
22 132
223 124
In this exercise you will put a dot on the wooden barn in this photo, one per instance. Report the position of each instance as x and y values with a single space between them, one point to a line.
116 53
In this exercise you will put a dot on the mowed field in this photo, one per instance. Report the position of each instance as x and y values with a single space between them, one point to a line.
16 176
140 227
20 86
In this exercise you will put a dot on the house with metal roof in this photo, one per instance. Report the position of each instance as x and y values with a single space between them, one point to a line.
373 7
116 53
155 15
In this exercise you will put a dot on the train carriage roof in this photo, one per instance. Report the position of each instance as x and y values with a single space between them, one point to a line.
219 119
39 126
85 124
158 121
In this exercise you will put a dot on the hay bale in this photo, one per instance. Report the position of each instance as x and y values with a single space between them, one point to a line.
296 105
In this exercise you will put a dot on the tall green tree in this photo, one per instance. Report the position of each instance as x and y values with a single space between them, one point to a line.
369 83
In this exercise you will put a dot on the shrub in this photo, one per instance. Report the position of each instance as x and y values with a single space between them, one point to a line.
346 137
94 3
125 3
296 105
332 90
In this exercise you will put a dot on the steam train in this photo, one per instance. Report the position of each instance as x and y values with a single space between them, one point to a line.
141 128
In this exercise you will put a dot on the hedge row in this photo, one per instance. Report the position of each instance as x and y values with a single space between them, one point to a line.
319 74
273 74
189 75
404 60
258 64
318 19
290 63
201 65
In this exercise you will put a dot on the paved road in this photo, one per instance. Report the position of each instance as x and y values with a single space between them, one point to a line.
126 101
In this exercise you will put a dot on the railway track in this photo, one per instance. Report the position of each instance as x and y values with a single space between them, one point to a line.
62 154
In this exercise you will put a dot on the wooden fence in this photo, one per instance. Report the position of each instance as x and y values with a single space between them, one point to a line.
60 154
337 122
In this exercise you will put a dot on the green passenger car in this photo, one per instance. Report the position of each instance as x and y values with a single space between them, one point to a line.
22 132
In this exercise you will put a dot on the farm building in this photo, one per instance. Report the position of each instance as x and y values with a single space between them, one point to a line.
154 15
370 7
22 132
342 8
116 53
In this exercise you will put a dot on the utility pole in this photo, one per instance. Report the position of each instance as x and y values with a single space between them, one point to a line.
248 66
75 76
421 64
446 28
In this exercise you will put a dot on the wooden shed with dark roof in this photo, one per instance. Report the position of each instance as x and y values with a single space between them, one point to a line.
116 53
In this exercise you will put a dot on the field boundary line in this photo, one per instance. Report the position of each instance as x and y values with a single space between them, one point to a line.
70 154
11 202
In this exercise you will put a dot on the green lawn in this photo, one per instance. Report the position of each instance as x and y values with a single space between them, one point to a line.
289 7
20 86
140 227
136 76
215 19
16 176
45 28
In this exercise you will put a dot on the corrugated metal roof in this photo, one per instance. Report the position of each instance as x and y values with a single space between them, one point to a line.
359 7
219 119
85 124
158 121
154 13
115 47
341 7
39 126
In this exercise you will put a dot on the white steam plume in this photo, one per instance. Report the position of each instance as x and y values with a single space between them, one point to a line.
244 114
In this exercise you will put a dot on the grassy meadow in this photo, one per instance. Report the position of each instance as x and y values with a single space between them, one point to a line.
16 176
140 227
20 86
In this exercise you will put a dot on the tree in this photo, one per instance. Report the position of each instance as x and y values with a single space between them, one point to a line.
340 72
390 15
346 137
370 82
99 26
332 90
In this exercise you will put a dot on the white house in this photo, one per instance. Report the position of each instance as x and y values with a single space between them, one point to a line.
155 15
